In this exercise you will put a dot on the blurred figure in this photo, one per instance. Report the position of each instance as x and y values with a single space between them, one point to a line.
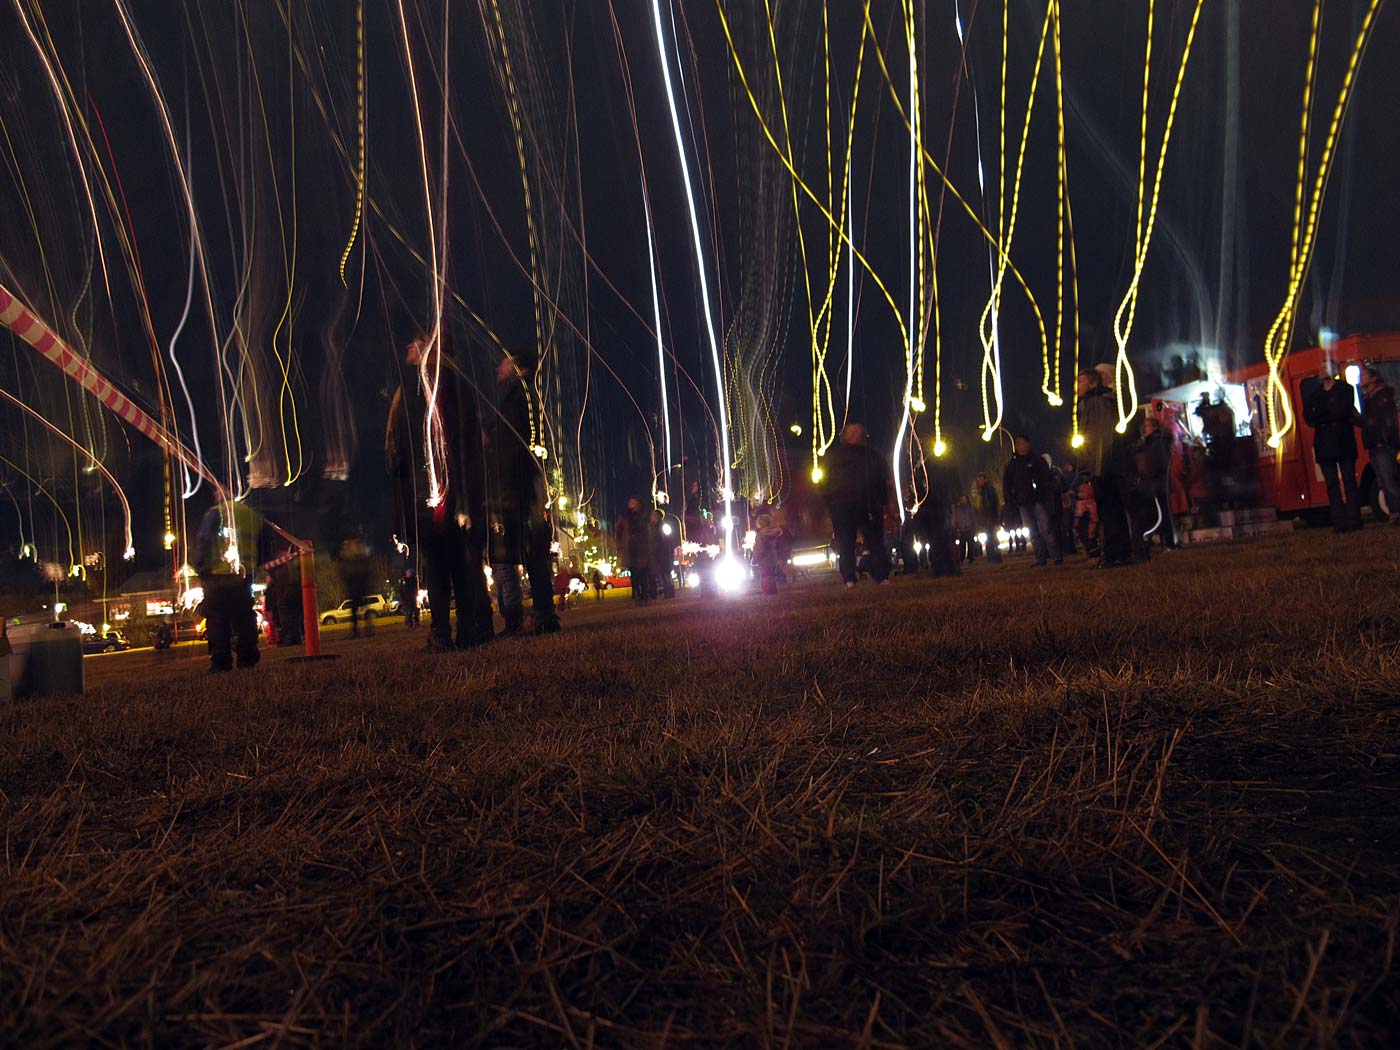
1086 518
521 532
1069 482
633 536
408 597
1154 467
596 578
932 521
449 532
225 551
1106 456
356 572
1218 430
1331 411
1030 488
770 553
1380 434
986 507
964 528
856 487
662 555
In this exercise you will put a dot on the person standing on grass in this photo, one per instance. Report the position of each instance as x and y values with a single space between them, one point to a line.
662 555
857 489
596 578
986 507
225 552
633 536
1331 412
1380 434
1030 488
521 532
432 450
769 553
1154 468
1100 457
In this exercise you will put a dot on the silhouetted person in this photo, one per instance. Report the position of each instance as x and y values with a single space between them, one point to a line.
521 532
633 534
856 486
1030 487
1154 467
225 552
1380 434
986 508
1331 411
441 490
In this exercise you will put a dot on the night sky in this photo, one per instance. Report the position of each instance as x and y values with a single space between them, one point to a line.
290 372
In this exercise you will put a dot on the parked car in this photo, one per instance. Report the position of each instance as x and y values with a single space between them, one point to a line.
111 642
371 606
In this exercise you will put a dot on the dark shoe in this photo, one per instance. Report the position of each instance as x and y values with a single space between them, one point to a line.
547 627
438 643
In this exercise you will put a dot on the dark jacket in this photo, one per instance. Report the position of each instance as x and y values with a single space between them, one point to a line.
1027 480
517 477
987 506
1332 415
1154 459
1379 425
224 526
633 536
857 477
1098 415
461 464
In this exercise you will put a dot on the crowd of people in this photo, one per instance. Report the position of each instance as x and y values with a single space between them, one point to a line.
473 494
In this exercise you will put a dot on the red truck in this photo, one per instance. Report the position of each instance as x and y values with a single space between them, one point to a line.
1289 476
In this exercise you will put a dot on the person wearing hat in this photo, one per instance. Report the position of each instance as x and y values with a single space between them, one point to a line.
521 531
1331 412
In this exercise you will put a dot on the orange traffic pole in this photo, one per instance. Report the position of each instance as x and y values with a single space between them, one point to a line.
310 619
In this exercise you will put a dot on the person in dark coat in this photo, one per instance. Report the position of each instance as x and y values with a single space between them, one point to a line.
1154 467
933 521
986 507
1331 412
225 553
1030 487
521 531
964 528
634 541
1380 434
856 486
441 490
1108 458
662 555
1218 431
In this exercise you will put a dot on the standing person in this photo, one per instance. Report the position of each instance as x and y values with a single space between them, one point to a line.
769 553
1331 411
1031 489
521 532
633 536
355 572
596 578
933 521
662 555
1380 433
1097 413
1218 430
857 488
225 551
1154 467
440 490
964 528
1069 482
986 506
408 597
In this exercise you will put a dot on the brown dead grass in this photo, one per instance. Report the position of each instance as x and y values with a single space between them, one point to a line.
1151 807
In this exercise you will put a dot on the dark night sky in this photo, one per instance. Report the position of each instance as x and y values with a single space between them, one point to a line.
223 70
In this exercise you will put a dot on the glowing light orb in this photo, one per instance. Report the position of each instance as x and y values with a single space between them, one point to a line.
665 528
1077 441
916 404
563 502
1275 440
817 475
1055 400
169 540
730 575
940 447
128 554
796 428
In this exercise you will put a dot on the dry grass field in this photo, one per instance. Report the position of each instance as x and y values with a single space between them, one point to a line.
1156 806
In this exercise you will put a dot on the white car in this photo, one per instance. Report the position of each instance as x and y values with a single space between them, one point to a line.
371 605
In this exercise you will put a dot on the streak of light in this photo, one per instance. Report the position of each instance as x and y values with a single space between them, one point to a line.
1127 310
728 491
1276 342
360 125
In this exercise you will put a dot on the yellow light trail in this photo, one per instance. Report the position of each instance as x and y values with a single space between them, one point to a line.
360 123
1276 342
988 328
1127 310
